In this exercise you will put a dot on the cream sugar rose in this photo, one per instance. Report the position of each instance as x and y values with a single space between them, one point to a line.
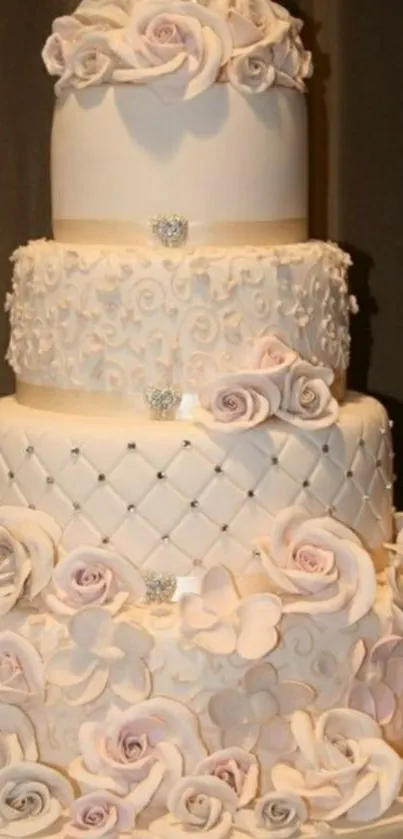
180 48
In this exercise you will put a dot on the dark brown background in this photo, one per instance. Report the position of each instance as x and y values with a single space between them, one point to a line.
356 107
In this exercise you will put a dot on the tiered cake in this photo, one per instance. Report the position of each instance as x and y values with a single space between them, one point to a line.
201 622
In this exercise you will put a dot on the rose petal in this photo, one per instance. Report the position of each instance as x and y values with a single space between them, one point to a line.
87 780
385 703
360 698
145 790
302 730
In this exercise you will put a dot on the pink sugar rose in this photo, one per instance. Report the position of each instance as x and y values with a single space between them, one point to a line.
277 815
306 399
238 401
28 544
21 670
93 576
237 768
176 47
319 567
33 798
271 354
99 815
343 767
139 752
198 804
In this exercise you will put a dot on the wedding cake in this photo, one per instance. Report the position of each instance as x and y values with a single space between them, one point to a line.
201 607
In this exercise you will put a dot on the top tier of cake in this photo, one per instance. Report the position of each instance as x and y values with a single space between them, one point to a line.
155 116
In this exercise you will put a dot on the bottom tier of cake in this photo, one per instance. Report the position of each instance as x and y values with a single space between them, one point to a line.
173 497
224 714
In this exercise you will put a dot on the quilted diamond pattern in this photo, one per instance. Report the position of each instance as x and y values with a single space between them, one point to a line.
172 496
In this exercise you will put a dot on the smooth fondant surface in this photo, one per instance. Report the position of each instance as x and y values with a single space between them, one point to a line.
120 155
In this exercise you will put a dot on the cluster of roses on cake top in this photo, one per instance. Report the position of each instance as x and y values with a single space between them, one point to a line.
89 628
180 48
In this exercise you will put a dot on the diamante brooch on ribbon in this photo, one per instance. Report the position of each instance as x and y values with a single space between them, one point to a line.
163 401
160 588
171 230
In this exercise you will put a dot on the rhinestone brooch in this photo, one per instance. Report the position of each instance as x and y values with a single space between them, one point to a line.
160 588
170 230
163 401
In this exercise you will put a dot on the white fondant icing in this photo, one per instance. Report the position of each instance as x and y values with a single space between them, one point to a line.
96 319
222 157
161 493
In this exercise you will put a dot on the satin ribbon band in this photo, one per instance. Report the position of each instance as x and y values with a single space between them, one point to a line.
218 234
246 585
89 403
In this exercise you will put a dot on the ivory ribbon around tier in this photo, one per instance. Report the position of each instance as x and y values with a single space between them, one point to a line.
93 403
219 234
246 585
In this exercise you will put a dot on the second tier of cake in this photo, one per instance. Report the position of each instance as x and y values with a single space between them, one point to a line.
172 496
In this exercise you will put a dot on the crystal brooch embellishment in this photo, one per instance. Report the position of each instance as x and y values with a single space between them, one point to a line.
160 588
163 401
170 230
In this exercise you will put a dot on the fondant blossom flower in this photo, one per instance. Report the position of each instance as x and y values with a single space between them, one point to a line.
306 400
271 354
21 669
278 815
320 568
237 768
17 736
99 815
344 768
181 45
219 621
93 576
378 679
32 799
27 552
237 401
255 717
198 803
102 652
139 752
